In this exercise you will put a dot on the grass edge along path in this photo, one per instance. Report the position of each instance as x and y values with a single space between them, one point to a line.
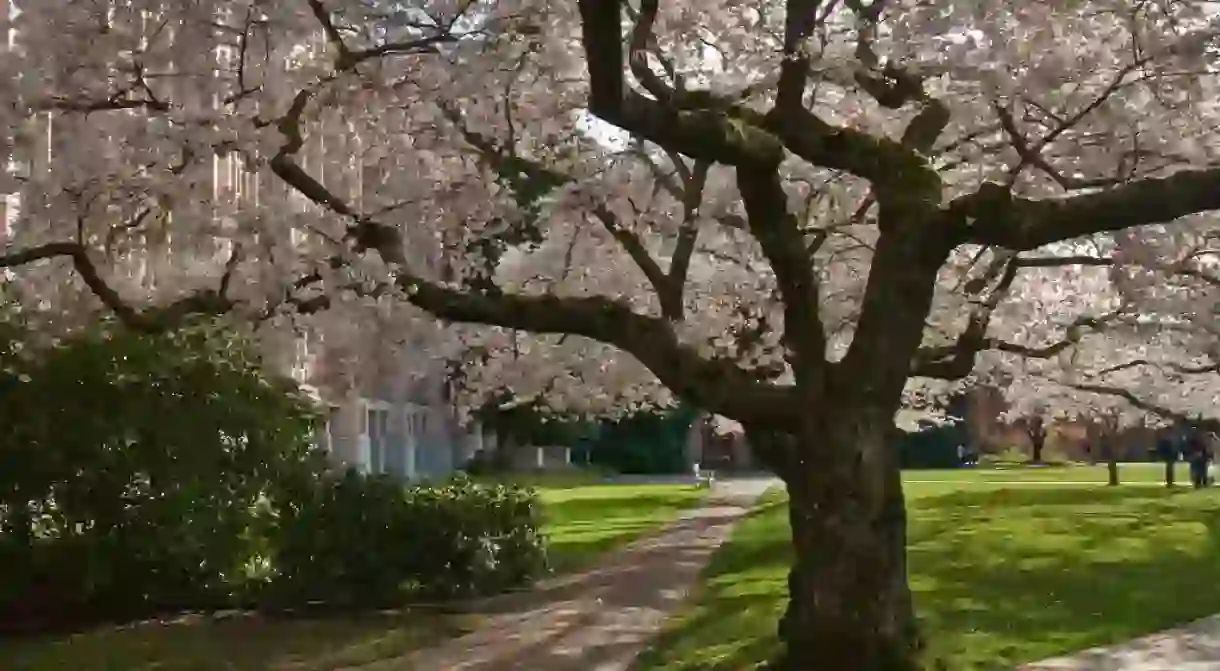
1002 574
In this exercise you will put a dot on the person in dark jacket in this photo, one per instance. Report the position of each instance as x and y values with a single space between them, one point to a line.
1199 455
1167 452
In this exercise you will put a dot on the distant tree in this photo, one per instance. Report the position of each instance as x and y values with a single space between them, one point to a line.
1036 430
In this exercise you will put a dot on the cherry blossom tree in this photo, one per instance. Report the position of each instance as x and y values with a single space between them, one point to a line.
1140 339
794 214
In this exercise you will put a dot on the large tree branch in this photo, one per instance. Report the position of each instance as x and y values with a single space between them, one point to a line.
342 53
366 234
668 285
898 170
702 132
993 216
800 20
779 235
688 234
717 385
892 85
897 298
641 41
150 320
1181 369
635 249
719 129
898 173
955 361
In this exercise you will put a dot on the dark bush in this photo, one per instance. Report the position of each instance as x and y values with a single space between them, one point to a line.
485 462
930 447
149 473
137 470
362 541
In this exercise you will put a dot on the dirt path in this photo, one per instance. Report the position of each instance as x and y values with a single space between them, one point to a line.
599 620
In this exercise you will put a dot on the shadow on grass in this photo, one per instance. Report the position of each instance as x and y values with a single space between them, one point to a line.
242 642
578 545
1003 498
582 525
1044 573
1001 577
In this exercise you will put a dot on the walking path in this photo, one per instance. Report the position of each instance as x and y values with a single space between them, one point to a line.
601 619
1194 647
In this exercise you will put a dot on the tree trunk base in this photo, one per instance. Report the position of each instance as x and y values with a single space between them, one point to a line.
850 605
896 656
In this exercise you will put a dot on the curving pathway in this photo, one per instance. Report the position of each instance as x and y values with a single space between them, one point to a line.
1193 647
599 620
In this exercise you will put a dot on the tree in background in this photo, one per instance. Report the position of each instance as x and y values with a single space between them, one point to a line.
784 214
1036 430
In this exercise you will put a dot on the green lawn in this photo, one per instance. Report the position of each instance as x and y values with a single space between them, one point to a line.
1135 473
581 523
584 522
1003 574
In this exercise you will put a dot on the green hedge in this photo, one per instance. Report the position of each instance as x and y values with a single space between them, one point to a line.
357 540
932 447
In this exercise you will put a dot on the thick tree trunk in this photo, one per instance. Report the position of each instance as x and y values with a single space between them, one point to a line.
1035 428
850 605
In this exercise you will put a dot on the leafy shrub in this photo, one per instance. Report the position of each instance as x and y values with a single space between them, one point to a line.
368 541
136 471
145 473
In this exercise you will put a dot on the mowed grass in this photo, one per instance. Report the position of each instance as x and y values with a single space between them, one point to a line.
1134 473
1002 573
581 522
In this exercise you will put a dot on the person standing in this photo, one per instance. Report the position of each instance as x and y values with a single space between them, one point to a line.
1167 450
1205 446
1197 455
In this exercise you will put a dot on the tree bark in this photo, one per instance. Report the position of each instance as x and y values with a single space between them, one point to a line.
1035 428
849 602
